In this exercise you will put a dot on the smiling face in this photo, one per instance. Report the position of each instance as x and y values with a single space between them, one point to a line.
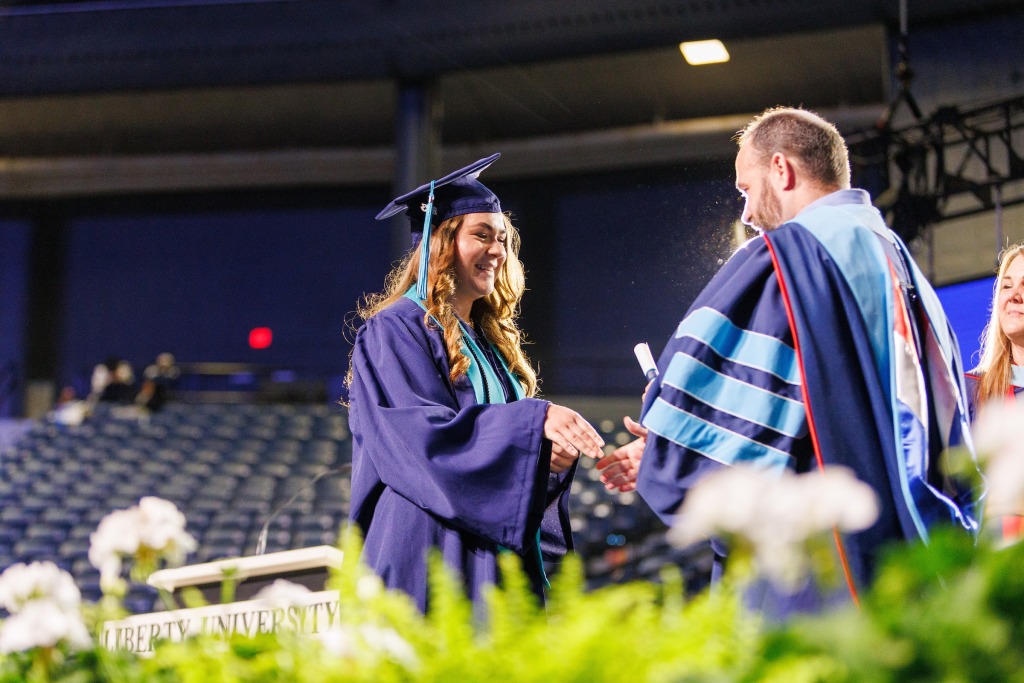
480 252
1010 303
762 207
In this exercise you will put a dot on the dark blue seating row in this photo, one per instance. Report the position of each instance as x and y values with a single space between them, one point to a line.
228 467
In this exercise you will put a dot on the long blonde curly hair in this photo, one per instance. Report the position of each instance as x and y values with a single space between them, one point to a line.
996 353
494 315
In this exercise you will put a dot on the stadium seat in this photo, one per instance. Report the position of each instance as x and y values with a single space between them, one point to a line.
227 467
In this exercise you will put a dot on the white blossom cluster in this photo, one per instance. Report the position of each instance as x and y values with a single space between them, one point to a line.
349 642
44 603
999 441
776 517
282 594
154 525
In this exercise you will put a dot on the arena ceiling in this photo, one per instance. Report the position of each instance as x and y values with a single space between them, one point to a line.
154 78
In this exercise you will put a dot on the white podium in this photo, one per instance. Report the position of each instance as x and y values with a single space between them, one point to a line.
314 612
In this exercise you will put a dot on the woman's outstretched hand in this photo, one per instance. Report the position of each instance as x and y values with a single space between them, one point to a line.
571 436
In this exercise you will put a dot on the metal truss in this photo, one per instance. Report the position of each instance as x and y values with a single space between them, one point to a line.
957 162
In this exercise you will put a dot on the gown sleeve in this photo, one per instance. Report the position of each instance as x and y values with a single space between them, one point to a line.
477 468
729 388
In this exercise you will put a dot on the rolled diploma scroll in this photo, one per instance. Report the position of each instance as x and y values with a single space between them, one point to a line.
643 355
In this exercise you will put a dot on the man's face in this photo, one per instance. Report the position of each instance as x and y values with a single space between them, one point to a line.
762 208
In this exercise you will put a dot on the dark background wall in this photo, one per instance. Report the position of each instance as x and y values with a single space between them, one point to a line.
132 219
625 255
193 276
611 259
14 249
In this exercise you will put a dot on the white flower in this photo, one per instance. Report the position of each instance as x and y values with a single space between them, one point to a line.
1005 476
777 517
282 594
21 584
117 535
705 511
387 641
44 604
369 586
339 641
842 500
997 436
42 623
154 524
996 430
163 529
369 639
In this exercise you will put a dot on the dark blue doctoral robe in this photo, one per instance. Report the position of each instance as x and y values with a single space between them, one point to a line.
436 466
804 351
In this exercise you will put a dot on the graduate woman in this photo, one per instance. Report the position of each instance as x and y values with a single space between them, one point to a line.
450 448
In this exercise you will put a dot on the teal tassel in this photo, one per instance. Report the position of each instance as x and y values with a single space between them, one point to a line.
421 277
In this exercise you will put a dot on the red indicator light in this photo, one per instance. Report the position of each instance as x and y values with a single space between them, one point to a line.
260 337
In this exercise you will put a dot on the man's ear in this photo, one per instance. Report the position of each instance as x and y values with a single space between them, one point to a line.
782 172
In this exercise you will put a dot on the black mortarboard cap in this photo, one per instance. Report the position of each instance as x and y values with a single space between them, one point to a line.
456 194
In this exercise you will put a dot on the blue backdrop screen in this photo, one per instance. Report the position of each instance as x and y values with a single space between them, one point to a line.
968 306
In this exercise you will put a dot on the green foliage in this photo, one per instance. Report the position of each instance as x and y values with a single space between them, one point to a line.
57 665
639 631
949 611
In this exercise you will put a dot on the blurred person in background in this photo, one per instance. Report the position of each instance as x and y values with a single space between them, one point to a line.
1000 373
999 376
112 381
69 409
158 382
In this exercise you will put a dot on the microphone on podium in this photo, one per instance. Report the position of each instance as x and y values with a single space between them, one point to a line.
261 541
647 364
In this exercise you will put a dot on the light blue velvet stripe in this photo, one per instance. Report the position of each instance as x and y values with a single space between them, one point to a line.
713 441
758 351
862 261
1017 376
859 256
730 395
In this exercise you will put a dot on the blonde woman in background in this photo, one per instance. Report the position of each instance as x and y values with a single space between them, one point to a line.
1001 370
1000 374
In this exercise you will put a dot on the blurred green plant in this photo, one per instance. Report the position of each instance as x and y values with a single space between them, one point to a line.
949 611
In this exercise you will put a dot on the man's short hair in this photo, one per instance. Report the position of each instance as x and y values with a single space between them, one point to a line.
802 135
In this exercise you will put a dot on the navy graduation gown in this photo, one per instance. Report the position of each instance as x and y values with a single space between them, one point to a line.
433 467
800 354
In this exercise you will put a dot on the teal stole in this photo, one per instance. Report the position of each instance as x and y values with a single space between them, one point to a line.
482 377
481 374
